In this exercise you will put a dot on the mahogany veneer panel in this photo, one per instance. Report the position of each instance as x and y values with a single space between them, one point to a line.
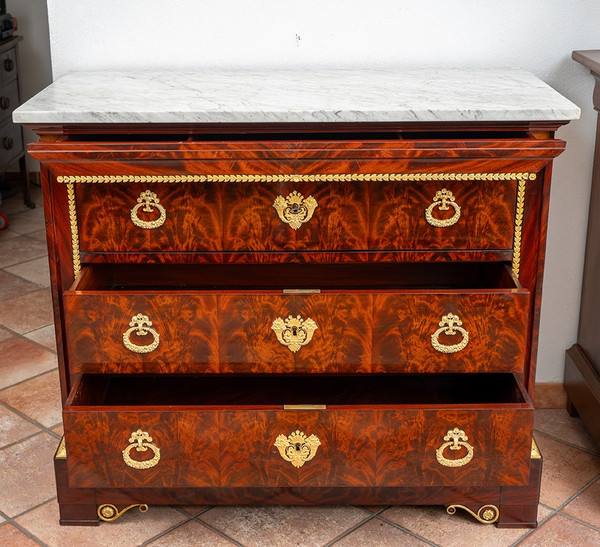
193 222
234 216
362 330
360 445
211 278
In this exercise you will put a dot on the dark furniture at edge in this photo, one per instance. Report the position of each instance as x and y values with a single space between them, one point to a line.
12 146
582 361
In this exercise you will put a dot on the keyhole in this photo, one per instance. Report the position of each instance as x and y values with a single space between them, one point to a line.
297 447
295 331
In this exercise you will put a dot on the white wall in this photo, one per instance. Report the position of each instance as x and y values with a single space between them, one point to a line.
532 34
34 53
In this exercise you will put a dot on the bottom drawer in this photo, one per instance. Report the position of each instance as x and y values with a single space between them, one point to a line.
388 430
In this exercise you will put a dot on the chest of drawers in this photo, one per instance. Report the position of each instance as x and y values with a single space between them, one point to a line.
295 312
11 135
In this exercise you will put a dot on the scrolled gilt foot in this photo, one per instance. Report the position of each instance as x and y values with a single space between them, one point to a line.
109 512
487 514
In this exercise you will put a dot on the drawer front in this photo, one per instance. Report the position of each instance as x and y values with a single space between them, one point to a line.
274 333
11 142
9 100
327 448
295 216
8 65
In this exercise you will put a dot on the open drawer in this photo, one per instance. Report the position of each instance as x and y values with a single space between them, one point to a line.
308 318
245 431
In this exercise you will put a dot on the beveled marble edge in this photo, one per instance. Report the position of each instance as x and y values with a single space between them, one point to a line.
297 96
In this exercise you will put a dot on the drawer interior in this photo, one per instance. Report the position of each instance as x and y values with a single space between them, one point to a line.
261 391
278 277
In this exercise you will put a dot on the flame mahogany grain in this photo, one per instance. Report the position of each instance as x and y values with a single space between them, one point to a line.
370 453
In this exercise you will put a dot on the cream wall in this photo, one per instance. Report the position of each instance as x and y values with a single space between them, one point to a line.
531 34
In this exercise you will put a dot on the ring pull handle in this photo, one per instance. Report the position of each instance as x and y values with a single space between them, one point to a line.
141 441
295 209
294 332
450 325
141 325
148 201
443 200
455 440
297 448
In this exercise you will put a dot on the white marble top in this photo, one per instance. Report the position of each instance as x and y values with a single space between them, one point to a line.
310 95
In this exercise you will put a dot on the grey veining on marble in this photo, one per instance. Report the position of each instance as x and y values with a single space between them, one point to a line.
310 95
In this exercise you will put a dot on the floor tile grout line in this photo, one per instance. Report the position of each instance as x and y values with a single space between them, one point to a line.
49 500
410 532
177 508
557 511
35 287
13 521
216 530
579 521
45 253
34 283
24 337
372 512
165 532
25 531
9 445
30 378
350 530
589 451
32 421
534 530
569 500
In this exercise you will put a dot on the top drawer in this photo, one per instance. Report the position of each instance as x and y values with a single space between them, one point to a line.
293 196
394 211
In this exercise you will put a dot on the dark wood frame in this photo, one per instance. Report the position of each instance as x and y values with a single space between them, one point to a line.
582 360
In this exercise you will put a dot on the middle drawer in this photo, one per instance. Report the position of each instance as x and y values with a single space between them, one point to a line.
296 318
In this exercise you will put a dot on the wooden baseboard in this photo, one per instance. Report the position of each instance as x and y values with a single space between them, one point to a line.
582 385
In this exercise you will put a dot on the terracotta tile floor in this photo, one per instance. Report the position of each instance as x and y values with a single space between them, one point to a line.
30 429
